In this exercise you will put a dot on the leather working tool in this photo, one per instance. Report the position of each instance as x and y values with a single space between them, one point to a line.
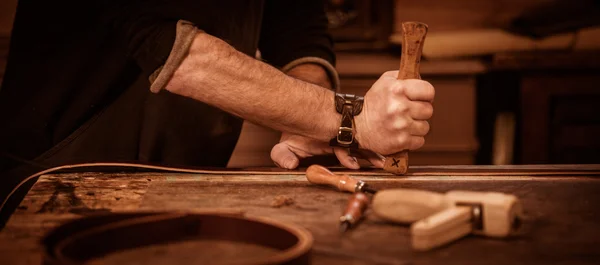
413 39
437 219
357 204
317 174
87 238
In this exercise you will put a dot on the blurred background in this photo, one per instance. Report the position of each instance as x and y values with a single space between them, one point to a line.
517 81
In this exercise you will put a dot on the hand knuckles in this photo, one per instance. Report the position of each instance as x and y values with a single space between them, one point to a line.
402 109
402 140
397 88
391 110
396 109
399 125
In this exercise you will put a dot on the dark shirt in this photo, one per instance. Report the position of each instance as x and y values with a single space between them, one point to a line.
76 86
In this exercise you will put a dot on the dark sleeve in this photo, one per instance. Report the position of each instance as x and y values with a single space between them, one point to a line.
149 28
294 29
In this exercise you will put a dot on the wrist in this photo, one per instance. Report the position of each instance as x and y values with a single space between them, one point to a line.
332 122
348 106
360 127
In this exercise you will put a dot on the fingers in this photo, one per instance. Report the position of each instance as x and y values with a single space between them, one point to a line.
418 90
345 158
419 128
420 110
374 158
352 163
416 142
284 157
393 74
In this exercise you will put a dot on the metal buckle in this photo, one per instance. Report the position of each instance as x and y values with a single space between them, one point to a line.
345 129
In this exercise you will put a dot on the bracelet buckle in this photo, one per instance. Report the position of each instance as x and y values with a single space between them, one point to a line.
349 106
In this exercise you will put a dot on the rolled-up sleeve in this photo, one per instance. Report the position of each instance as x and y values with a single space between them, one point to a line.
157 35
147 30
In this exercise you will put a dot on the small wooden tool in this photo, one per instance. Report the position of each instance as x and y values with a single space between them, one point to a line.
406 206
437 219
317 174
355 209
413 38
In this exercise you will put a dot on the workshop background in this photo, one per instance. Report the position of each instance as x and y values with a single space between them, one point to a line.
516 80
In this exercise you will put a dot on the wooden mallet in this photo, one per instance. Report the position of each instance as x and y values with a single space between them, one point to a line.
413 38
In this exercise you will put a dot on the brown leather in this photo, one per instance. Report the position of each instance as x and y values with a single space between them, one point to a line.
82 240
349 106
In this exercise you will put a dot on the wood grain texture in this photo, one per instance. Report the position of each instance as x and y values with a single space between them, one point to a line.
561 224
443 15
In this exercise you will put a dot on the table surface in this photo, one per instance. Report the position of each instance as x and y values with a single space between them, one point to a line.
561 204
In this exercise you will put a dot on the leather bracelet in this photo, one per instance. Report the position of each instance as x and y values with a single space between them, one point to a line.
349 106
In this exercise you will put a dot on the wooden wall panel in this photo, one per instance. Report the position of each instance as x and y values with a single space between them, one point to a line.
7 14
444 15
560 118
4 41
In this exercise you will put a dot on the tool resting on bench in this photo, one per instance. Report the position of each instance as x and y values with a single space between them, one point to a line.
439 218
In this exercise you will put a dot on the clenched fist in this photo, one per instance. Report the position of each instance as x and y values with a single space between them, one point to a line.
395 114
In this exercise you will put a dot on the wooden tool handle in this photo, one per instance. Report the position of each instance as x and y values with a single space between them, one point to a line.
405 206
356 207
317 174
413 38
441 228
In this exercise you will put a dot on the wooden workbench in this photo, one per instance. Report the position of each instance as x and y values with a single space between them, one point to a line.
561 203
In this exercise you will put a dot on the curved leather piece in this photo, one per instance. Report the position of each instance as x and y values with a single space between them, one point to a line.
84 239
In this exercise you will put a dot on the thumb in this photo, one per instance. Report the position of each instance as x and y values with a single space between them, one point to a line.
284 157
345 158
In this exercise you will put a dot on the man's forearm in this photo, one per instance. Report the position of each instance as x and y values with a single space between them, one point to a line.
312 73
215 73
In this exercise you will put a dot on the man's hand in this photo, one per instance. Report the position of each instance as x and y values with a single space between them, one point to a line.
393 118
292 148
395 114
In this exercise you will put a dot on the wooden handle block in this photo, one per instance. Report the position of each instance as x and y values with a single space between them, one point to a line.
317 174
406 206
499 210
396 163
413 38
441 228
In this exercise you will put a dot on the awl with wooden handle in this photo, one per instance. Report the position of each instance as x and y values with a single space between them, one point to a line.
357 205
413 39
317 174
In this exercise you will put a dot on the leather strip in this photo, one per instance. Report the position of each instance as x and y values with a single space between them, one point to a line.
349 106
87 238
